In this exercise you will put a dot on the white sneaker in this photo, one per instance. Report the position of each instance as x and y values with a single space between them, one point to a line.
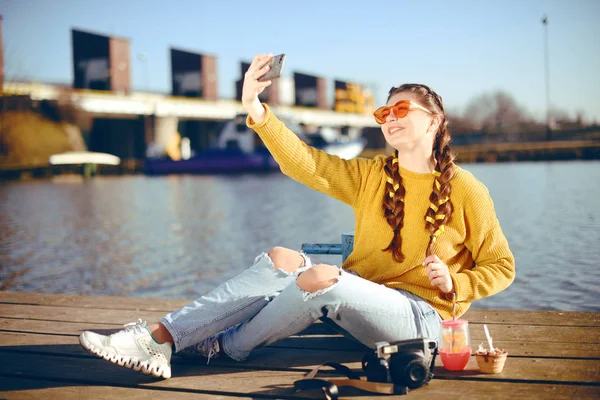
133 347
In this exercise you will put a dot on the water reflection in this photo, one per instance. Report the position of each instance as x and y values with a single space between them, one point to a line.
179 236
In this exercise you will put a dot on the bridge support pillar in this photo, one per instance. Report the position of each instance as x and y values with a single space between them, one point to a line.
161 134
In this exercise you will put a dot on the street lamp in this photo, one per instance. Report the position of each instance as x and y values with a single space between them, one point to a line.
546 58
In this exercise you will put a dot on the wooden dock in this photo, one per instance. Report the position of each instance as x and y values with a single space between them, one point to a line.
552 354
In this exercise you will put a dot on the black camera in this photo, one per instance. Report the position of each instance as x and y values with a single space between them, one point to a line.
408 364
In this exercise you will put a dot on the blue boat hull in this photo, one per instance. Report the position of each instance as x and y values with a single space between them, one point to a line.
224 162
213 161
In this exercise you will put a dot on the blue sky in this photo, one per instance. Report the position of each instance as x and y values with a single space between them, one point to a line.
461 48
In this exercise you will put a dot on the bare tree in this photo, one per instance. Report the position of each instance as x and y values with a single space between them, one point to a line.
561 120
497 113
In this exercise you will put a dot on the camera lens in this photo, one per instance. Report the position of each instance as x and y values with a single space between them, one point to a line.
416 374
409 370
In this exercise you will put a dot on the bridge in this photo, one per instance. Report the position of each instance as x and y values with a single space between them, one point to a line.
126 124
162 105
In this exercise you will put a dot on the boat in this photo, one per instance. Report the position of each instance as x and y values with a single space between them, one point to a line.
344 142
83 157
237 150
89 160
212 161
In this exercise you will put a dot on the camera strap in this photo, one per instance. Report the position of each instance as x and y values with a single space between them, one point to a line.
330 386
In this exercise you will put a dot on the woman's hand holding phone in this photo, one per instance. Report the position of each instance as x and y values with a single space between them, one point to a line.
252 87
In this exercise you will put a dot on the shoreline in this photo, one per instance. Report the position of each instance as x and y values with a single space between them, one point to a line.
578 150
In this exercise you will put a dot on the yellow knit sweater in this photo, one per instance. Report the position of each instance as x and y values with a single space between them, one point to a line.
472 244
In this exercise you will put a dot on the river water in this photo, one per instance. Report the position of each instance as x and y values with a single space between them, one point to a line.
180 236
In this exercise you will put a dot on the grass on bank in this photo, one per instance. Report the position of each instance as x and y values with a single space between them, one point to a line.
27 139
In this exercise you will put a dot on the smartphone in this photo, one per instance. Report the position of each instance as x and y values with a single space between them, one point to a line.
274 72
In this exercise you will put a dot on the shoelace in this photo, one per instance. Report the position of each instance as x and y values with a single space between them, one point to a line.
136 327
212 352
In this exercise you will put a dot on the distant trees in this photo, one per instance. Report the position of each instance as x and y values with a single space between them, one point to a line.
497 117
496 113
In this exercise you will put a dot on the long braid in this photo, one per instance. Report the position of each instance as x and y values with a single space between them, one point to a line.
440 209
393 205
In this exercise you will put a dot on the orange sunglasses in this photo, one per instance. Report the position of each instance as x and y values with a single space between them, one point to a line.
400 109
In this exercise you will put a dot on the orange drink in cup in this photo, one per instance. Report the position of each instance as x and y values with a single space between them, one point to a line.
455 348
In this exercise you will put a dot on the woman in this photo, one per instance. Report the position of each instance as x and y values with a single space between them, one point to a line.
426 233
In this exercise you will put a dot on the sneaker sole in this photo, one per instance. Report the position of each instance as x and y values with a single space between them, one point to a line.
126 361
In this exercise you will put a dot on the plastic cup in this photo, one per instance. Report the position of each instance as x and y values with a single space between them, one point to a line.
455 349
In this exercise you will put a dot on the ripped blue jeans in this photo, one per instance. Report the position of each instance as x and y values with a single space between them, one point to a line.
264 304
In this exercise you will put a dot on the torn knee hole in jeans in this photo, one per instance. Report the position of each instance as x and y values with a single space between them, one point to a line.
304 265
306 295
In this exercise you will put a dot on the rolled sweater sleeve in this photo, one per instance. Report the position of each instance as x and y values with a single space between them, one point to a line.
494 268
326 173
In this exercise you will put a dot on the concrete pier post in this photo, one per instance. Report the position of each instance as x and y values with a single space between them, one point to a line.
164 135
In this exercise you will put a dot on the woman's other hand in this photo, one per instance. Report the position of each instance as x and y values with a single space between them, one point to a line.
438 273
252 87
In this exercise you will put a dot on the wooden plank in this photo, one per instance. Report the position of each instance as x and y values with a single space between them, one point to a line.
17 388
501 333
519 369
534 317
535 333
34 342
72 328
513 317
75 328
89 315
94 317
197 377
58 328
80 301
202 379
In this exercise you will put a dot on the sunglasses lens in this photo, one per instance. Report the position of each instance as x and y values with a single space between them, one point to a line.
401 109
381 114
